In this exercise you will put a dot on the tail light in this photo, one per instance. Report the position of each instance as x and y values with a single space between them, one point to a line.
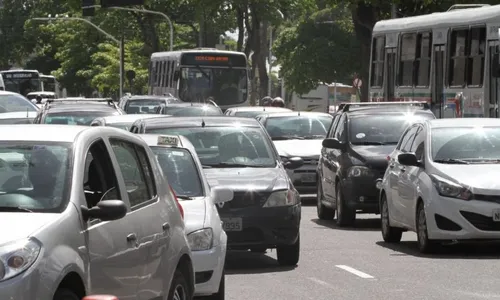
177 201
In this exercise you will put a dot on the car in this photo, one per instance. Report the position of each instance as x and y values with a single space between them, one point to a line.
92 214
144 104
190 109
354 158
19 117
253 111
299 134
122 121
76 111
207 239
237 153
14 102
441 183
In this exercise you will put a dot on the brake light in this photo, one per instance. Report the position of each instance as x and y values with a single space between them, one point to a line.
177 201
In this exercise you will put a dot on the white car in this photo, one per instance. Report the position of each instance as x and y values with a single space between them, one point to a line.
442 182
207 239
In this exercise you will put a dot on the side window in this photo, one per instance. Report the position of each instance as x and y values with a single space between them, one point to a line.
167 82
377 67
475 64
458 57
333 126
407 140
339 131
148 170
133 173
423 64
418 144
407 59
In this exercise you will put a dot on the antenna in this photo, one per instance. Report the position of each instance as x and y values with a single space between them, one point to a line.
202 123
299 113
264 108
27 113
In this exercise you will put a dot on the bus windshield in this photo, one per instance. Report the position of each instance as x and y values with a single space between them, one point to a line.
49 83
227 86
22 82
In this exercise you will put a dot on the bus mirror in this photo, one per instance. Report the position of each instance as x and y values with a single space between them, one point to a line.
495 65
176 75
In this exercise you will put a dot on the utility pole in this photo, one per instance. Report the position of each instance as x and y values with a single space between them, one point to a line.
269 79
394 11
122 64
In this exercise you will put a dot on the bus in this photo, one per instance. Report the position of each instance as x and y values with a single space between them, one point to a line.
199 74
21 81
449 59
50 84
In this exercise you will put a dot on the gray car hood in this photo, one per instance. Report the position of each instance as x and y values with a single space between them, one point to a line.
19 225
244 179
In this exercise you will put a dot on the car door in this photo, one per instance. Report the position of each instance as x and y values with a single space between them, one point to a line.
324 172
333 155
152 235
115 261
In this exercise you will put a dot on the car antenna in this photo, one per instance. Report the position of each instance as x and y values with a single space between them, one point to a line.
299 113
202 123
27 113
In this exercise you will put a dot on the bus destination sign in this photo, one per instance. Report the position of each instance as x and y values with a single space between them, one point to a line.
213 59
19 75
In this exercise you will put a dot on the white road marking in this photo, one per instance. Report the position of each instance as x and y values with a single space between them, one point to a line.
355 272
318 281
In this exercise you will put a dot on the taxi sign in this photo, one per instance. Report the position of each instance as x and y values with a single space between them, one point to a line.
168 140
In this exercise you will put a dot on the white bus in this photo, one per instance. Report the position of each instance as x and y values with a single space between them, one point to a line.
448 59
21 81
195 75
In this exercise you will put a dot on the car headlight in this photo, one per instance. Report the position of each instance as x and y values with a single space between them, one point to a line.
17 257
358 171
200 240
281 198
448 188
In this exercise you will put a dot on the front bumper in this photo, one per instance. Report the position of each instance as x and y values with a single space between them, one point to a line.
361 193
264 227
208 266
27 286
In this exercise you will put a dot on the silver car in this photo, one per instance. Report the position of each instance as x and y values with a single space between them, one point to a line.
86 211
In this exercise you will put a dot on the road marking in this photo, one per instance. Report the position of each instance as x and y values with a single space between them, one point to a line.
318 281
355 272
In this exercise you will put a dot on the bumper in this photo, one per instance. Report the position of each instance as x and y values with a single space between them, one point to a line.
208 266
361 193
454 219
304 179
264 227
26 286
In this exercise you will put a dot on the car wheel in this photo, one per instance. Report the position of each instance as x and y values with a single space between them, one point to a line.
65 294
288 255
324 213
424 244
221 294
345 216
179 289
390 234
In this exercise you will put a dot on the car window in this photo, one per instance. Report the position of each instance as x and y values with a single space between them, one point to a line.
13 103
289 127
339 131
143 106
133 173
192 111
76 117
180 168
148 170
418 144
335 121
406 145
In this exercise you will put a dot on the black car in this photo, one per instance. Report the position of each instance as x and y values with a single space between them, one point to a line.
354 158
190 109
237 153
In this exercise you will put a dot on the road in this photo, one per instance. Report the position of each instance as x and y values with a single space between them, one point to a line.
354 264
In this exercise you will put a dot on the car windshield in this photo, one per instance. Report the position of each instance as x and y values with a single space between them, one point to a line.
180 168
143 106
381 129
13 103
298 127
248 114
193 111
472 144
227 147
34 176
76 118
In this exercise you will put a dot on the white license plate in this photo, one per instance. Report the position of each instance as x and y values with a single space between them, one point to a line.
308 177
496 215
232 224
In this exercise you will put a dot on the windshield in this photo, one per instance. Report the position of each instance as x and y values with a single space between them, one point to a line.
34 175
380 129
13 103
143 106
477 144
20 85
76 118
226 86
180 168
49 84
302 127
192 111
248 114
226 147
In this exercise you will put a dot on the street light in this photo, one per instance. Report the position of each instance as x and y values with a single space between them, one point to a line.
270 82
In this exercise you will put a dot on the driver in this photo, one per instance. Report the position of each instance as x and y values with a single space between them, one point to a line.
43 170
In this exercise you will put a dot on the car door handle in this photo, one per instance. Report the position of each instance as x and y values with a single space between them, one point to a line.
391 166
165 226
131 237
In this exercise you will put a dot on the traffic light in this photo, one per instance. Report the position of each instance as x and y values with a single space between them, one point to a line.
110 3
88 12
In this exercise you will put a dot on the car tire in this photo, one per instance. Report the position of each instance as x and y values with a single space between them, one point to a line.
425 245
221 294
389 234
288 255
65 294
345 215
324 213
179 289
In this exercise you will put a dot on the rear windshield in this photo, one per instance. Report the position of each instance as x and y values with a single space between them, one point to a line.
143 106
192 111
76 118
298 127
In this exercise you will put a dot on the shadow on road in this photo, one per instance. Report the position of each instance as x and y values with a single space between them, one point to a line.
308 202
246 262
458 251
359 225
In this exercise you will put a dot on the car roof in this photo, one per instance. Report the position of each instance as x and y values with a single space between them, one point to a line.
259 108
152 141
5 93
388 110
208 121
18 115
463 122
139 97
296 114
41 132
81 107
187 104
129 117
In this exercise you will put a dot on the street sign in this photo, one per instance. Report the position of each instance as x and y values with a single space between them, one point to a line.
357 83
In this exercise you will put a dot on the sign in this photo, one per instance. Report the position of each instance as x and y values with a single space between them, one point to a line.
214 59
357 83
200 58
19 75
164 140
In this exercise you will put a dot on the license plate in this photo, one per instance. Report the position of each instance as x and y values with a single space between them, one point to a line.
232 224
496 215
308 177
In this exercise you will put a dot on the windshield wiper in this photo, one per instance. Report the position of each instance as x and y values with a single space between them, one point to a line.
286 137
452 161
313 137
230 165
182 197
369 143
14 209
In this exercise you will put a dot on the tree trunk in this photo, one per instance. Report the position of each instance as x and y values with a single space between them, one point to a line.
241 29
261 58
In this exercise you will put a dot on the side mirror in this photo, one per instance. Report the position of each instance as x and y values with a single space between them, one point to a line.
408 159
105 210
332 143
176 75
293 163
222 195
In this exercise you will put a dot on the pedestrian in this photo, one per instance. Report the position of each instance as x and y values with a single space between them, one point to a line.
266 101
278 102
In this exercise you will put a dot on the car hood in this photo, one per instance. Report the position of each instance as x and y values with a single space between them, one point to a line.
194 213
372 156
19 225
300 148
481 179
244 179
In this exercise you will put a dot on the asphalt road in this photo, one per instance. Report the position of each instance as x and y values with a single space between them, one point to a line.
354 264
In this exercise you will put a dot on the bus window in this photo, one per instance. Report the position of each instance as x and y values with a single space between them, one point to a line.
378 47
407 59
475 71
458 57
172 72
423 66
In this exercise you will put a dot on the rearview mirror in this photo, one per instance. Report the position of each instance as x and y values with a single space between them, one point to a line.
222 195
293 163
332 143
105 210
408 159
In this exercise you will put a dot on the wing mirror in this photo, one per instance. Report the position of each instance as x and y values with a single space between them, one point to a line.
408 159
222 195
105 210
293 163
332 143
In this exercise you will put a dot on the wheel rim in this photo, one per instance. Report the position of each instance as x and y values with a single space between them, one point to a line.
385 217
179 293
422 227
